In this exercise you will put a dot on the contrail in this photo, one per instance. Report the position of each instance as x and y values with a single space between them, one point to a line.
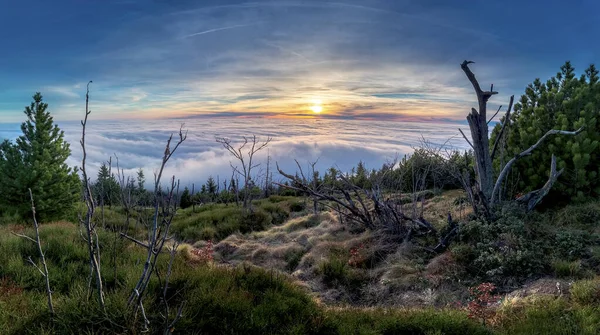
219 29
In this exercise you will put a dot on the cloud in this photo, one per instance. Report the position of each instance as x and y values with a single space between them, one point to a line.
363 59
340 143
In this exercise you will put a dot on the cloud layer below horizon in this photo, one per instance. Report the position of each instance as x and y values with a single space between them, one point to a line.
338 143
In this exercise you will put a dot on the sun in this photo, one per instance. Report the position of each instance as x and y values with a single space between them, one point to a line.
316 107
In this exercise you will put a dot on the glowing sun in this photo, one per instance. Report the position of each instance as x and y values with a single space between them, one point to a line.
316 108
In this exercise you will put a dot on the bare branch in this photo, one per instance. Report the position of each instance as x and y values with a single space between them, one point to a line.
92 236
483 96
142 244
465 137
510 163
493 116
504 125
535 197
24 236
38 243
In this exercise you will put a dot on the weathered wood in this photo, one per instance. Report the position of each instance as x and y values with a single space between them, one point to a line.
533 198
479 133
504 124
527 152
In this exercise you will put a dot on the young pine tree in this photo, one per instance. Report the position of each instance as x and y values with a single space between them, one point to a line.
37 161
106 188
186 198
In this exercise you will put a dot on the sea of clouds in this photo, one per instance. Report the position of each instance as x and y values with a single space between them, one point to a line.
339 143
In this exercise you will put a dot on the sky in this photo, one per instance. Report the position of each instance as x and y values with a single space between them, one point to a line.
369 59
339 81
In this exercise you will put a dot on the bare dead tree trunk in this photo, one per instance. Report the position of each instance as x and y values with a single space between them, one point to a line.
479 133
159 230
193 201
38 242
488 189
90 227
267 180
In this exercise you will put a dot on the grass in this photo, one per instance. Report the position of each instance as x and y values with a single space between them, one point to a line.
247 299
218 300
217 221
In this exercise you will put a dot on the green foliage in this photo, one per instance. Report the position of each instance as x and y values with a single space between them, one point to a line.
505 247
566 269
549 316
255 220
297 206
586 292
334 270
518 245
36 161
277 212
563 102
106 189
223 300
186 199
217 221
404 321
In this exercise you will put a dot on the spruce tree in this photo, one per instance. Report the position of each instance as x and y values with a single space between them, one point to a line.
37 161
106 188
211 188
186 199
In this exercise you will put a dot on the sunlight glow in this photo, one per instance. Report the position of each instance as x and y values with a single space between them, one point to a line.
316 107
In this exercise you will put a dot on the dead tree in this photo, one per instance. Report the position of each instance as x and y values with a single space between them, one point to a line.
488 186
38 243
358 205
240 152
158 234
89 226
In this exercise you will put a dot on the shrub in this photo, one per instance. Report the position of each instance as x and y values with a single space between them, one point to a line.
480 302
586 292
297 206
204 254
505 247
255 221
293 257
334 270
571 245
566 269
278 214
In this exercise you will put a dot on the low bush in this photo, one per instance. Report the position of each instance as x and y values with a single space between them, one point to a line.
586 292
566 269
518 245
297 206
505 247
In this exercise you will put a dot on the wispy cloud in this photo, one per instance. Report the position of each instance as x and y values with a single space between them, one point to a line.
218 29
364 59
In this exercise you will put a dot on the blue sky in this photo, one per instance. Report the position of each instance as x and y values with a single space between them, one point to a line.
370 59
